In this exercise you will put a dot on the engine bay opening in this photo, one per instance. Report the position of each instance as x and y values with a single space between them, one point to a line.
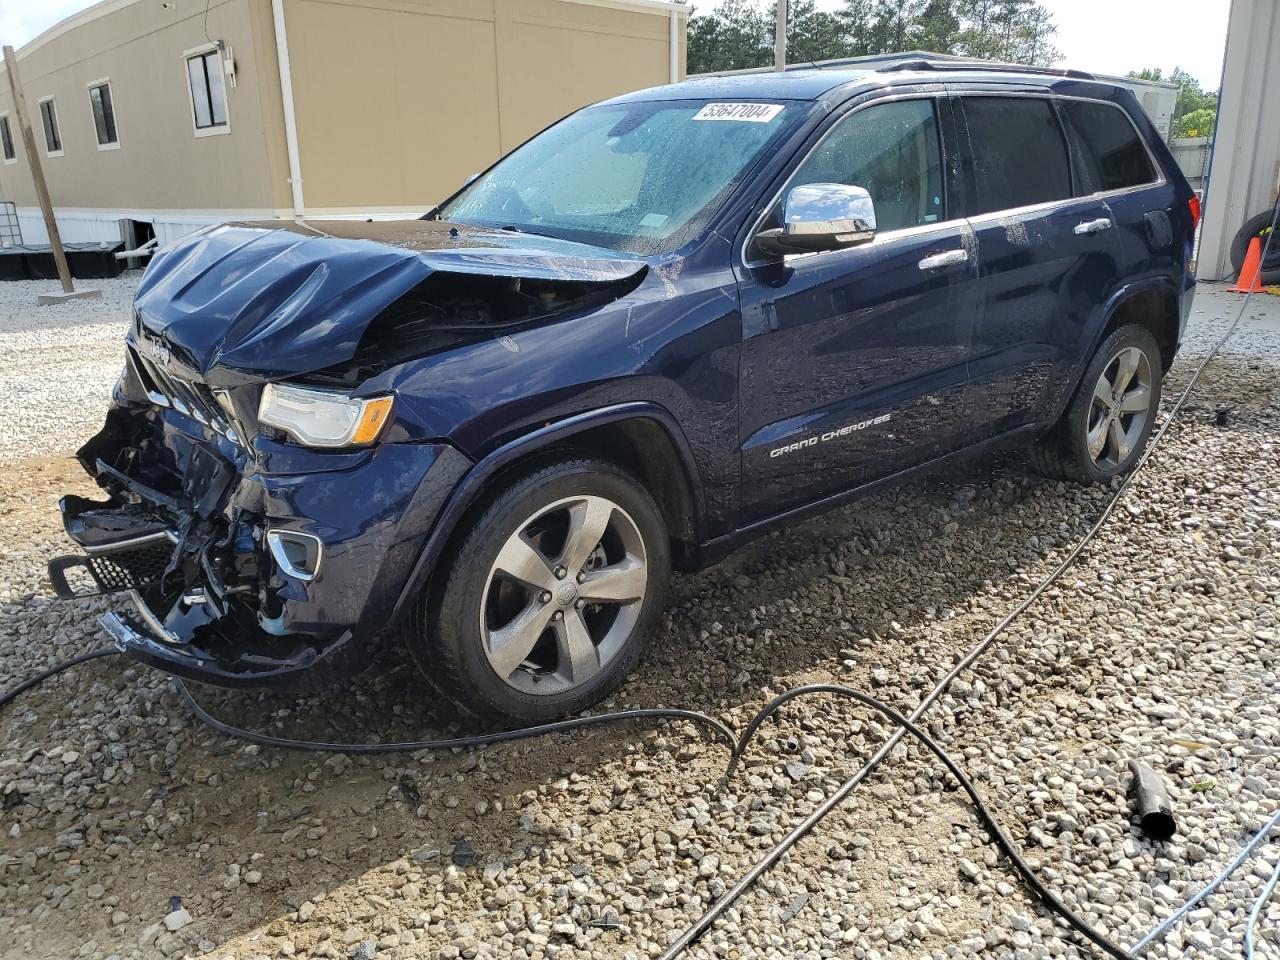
450 309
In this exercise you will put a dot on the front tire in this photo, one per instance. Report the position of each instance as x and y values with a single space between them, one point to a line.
1105 428
549 596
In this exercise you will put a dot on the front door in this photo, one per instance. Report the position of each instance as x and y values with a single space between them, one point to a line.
853 361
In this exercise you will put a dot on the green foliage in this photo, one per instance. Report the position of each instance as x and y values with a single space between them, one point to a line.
1197 123
811 33
736 34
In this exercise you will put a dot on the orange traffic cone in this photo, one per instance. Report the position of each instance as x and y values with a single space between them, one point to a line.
1250 279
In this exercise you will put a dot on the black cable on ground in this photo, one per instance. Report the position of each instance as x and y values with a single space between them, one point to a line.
457 743
9 695
1001 839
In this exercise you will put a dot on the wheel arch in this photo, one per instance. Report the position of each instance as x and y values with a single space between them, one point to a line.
1152 304
642 437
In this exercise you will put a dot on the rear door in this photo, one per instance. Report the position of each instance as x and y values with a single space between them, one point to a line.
1113 163
1047 258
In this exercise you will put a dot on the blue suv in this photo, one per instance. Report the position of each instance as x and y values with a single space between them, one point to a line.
665 325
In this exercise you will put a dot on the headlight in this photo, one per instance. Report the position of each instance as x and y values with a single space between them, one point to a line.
322 418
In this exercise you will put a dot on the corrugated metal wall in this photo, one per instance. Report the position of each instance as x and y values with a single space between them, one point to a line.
1245 174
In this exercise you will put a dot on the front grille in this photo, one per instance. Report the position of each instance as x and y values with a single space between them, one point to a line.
186 396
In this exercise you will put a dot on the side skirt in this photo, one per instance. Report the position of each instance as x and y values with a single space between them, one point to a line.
713 551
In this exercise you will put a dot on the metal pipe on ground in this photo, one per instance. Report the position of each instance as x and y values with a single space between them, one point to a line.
1151 800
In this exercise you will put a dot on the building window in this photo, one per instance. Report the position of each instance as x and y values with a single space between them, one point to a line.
104 114
6 140
49 119
208 91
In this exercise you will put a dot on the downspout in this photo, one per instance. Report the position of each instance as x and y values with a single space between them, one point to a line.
290 121
675 45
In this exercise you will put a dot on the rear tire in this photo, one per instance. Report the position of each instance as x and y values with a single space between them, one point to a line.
1105 428
512 633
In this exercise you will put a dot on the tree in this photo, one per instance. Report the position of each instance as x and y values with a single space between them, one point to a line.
858 19
937 27
894 24
977 37
1197 123
1033 39
1190 96
734 36
813 34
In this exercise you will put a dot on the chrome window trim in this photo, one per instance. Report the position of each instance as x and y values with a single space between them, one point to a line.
1161 179
891 234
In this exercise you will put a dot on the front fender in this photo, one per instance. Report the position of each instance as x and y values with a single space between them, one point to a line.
468 490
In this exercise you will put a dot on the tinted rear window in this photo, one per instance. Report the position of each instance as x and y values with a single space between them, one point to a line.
1112 155
1018 154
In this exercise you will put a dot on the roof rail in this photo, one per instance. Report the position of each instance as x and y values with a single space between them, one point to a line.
921 63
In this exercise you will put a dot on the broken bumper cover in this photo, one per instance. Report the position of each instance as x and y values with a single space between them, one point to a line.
143 637
196 548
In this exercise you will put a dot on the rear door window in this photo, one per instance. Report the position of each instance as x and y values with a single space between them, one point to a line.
1017 153
1112 154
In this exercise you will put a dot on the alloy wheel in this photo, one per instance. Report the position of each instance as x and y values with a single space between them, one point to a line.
563 595
1120 408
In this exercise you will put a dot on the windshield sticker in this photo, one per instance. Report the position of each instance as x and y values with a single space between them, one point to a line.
653 219
742 112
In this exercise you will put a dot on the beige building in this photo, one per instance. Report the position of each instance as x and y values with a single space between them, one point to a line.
164 115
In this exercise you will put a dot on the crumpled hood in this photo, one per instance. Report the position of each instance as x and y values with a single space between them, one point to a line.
259 301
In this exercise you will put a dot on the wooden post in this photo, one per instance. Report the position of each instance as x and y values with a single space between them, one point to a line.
37 172
780 37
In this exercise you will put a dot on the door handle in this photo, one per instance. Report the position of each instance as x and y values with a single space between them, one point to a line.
1091 226
947 259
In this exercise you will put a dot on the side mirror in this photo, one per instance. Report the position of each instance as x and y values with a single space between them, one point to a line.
821 216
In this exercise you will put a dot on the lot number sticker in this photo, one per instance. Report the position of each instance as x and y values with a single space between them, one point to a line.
742 112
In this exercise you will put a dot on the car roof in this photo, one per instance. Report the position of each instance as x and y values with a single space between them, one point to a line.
839 81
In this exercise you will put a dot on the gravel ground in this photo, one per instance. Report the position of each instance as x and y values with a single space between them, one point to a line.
73 348
1160 644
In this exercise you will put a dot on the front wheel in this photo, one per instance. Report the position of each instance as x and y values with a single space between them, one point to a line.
1105 428
549 596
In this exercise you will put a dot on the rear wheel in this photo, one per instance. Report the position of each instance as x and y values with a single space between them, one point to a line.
1106 426
550 595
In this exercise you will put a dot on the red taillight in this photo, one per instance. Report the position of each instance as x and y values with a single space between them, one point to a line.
1194 205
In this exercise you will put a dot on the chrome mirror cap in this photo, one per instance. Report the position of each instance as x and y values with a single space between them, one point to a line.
822 216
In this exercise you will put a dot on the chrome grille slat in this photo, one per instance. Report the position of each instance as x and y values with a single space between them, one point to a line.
193 399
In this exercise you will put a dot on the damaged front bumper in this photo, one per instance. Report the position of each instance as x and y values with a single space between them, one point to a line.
266 564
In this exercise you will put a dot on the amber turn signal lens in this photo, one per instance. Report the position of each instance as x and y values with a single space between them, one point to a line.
373 418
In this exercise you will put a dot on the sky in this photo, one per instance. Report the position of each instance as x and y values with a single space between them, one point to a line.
1101 36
